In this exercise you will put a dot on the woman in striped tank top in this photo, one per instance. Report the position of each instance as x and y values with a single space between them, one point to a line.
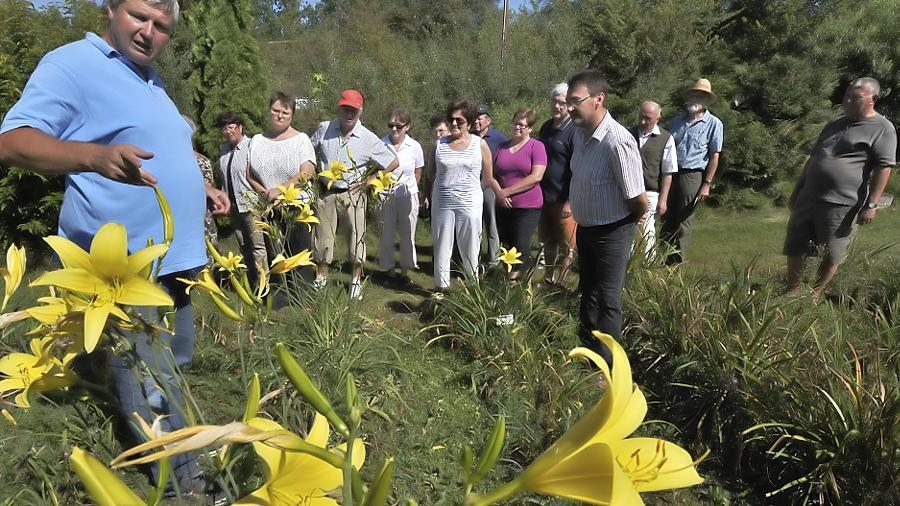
460 168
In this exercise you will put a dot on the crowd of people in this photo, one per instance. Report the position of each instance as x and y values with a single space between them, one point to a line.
481 187
96 111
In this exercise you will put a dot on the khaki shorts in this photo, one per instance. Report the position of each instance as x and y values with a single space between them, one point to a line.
815 224
350 210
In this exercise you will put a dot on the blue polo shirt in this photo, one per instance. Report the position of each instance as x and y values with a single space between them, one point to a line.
695 142
87 92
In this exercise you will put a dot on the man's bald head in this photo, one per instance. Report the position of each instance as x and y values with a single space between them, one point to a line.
648 116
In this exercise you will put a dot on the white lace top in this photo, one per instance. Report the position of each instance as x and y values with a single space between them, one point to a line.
274 162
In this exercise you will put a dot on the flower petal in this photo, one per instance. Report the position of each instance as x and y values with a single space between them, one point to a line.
144 257
590 475
70 254
138 291
318 432
676 470
94 322
105 488
77 280
109 251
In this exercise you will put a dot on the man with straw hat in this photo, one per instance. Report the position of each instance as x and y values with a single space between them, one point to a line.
698 141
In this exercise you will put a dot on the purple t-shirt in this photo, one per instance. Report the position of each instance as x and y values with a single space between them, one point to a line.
510 168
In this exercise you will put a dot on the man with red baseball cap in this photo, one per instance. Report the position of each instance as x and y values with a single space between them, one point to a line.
347 141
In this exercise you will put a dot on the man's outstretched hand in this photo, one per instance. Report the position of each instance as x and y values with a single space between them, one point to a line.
122 163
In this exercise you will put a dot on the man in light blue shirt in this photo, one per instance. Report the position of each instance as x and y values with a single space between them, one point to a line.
347 141
698 142
95 111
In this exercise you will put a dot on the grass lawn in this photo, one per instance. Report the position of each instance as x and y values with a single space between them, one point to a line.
432 392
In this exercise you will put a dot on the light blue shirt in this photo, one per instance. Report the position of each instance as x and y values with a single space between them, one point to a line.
695 142
87 92
360 148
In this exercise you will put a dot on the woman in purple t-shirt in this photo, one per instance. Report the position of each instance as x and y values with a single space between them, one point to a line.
518 168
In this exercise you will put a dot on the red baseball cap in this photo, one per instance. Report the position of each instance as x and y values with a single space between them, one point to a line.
351 98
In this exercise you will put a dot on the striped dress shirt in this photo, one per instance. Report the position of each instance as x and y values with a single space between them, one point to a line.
606 172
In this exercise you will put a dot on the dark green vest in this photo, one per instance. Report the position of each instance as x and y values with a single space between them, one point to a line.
652 157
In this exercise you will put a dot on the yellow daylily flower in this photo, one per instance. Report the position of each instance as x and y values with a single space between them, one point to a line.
104 487
280 264
265 226
68 306
205 281
232 262
335 171
229 263
13 272
298 478
290 195
38 371
593 462
108 275
307 216
382 182
509 257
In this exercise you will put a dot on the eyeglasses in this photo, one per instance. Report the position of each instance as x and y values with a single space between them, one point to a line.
228 128
523 126
397 126
573 102
456 120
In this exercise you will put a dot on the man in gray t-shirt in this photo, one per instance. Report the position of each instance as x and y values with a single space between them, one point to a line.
841 184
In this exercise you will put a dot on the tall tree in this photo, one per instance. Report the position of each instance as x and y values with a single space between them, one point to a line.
226 67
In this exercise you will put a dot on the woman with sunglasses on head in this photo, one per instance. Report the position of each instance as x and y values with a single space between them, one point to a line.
518 169
400 211
460 168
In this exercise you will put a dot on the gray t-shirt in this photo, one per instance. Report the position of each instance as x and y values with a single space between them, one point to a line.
845 155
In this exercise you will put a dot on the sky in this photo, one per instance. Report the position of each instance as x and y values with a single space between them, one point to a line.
513 4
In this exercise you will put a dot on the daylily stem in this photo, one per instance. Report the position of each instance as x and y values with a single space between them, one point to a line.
505 491
348 469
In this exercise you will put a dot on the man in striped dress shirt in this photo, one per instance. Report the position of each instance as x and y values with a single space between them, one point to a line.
607 199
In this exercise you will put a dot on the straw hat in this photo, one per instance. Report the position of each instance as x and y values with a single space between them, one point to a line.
702 85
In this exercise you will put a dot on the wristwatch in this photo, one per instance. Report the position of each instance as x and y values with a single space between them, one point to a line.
707 181
871 205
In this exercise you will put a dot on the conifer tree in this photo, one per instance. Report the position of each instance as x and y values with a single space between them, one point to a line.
226 68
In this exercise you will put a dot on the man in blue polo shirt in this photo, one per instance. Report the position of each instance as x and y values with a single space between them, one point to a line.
95 111
698 141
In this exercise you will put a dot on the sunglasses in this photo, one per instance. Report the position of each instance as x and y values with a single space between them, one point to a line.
456 120
397 126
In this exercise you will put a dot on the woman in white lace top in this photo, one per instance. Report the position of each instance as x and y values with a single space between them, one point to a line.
281 156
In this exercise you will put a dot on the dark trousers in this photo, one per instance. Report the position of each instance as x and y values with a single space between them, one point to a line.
516 228
679 218
603 252
489 216
147 381
296 238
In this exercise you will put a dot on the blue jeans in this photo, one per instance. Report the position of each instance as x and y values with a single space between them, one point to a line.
603 253
147 378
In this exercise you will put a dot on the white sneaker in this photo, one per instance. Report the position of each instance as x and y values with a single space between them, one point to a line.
320 281
356 290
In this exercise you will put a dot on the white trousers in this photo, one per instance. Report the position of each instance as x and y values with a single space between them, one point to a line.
462 226
648 229
399 215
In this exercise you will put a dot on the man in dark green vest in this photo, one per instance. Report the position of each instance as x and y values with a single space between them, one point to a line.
660 162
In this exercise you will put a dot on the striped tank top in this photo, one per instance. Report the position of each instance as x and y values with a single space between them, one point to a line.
457 181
